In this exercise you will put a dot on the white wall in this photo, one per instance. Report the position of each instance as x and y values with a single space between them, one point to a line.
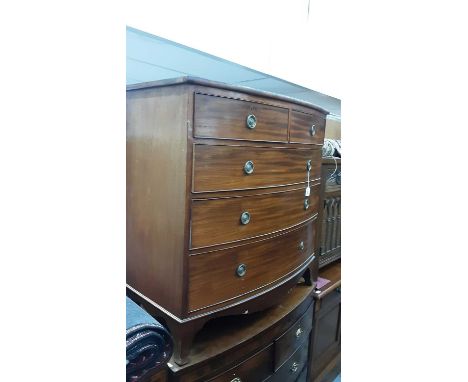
274 37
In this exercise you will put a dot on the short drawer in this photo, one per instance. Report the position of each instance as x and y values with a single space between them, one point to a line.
224 220
307 127
256 368
222 168
223 275
225 118
294 338
293 367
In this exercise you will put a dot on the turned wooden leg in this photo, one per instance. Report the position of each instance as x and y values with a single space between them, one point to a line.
183 335
311 273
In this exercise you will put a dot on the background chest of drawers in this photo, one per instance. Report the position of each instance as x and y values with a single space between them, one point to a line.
218 218
271 345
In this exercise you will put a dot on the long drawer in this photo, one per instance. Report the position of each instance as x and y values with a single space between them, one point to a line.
256 368
225 118
219 276
224 220
222 168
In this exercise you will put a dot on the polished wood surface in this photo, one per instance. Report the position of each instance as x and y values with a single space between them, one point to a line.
225 342
301 125
226 88
267 215
331 272
156 209
213 278
219 168
160 376
219 117
297 336
256 368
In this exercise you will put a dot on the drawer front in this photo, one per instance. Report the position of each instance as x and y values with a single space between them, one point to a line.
293 367
224 118
256 368
219 276
224 220
221 168
307 128
294 338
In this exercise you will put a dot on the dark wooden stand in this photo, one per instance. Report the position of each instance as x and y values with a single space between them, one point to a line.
326 333
184 331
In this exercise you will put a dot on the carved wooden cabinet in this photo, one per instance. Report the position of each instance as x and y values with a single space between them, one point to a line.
222 200
330 215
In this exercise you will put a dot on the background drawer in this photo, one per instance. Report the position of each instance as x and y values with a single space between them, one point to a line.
219 168
303 125
218 117
293 367
294 338
255 369
217 221
213 278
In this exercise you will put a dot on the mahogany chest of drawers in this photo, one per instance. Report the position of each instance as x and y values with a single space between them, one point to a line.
222 200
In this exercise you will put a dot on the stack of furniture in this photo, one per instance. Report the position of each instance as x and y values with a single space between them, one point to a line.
223 200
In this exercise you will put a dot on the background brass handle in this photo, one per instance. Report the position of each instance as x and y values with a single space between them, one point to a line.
309 165
251 121
249 167
312 130
241 270
306 204
245 217
301 246
294 367
299 332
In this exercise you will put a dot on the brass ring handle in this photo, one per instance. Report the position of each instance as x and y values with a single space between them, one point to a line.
245 217
306 204
241 270
312 130
294 367
249 167
309 165
299 332
301 246
251 121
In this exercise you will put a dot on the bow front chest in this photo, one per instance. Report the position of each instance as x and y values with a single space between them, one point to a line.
222 200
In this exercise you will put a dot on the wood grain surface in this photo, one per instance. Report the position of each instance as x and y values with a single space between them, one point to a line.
219 168
217 221
213 278
218 117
